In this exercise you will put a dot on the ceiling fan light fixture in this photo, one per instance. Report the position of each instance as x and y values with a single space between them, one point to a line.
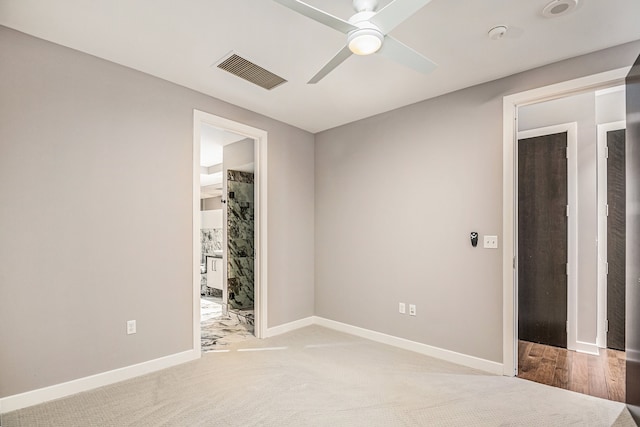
365 41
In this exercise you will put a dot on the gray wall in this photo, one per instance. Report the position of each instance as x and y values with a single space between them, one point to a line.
237 155
610 107
581 109
211 203
88 149
396 197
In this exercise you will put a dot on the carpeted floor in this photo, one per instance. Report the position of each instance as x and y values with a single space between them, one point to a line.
318 377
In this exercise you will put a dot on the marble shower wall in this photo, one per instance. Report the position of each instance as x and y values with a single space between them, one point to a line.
240 235
210 240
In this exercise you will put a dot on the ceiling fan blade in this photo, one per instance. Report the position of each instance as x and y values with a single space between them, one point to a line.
395 13
403 54
335 61
318 15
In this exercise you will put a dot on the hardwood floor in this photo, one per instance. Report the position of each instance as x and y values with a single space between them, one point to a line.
601 376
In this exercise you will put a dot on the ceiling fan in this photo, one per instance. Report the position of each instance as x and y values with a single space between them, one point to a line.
367 32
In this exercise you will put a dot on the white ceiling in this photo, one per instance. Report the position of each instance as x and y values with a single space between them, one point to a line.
180 40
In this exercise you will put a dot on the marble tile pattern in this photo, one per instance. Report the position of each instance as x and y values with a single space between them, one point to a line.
243 316
240 235
210 240
219 333
218 330
238 176
209 309
203 283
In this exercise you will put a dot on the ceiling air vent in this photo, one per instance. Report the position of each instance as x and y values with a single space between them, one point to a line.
251 72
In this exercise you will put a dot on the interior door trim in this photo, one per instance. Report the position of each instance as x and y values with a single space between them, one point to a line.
260 193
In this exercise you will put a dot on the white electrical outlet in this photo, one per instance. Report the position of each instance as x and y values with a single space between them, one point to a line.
402 309
131 327
412 309
491 242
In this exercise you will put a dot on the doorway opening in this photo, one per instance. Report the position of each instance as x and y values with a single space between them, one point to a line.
227 296
558 342
229 208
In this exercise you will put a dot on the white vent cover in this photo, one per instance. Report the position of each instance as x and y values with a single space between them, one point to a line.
251 72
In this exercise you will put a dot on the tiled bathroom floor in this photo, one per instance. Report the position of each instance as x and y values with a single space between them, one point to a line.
209 309
218 331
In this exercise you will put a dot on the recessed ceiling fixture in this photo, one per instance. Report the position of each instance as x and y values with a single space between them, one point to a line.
558 8
497 32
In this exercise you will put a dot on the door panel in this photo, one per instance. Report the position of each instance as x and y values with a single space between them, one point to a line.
616 239
240 240
542 239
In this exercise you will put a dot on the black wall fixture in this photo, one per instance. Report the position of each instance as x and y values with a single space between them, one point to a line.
474 238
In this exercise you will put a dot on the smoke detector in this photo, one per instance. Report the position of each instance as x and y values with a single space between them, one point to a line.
558 8
497 32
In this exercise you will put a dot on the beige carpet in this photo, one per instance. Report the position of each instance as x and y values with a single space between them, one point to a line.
318 377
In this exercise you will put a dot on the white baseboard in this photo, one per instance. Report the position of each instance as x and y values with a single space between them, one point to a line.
587 347
438 353
35 397
30 398
291 326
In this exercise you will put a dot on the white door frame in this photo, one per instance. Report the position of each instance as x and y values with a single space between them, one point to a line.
601 337
510 106
260 203
572 230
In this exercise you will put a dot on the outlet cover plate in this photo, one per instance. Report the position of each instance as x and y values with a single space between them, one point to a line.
131 327
491 242
412 309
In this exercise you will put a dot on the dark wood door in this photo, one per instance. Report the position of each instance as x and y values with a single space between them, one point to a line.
616 220
542 239
632 158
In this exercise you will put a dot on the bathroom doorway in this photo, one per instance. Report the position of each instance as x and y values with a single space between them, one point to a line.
228 285
227 237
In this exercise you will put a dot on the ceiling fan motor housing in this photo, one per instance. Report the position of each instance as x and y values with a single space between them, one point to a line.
365 5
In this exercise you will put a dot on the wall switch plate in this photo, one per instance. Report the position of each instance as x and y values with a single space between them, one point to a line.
491 242
131 327
412 309
402 308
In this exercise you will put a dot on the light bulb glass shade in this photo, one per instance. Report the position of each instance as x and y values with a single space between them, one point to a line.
365 41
